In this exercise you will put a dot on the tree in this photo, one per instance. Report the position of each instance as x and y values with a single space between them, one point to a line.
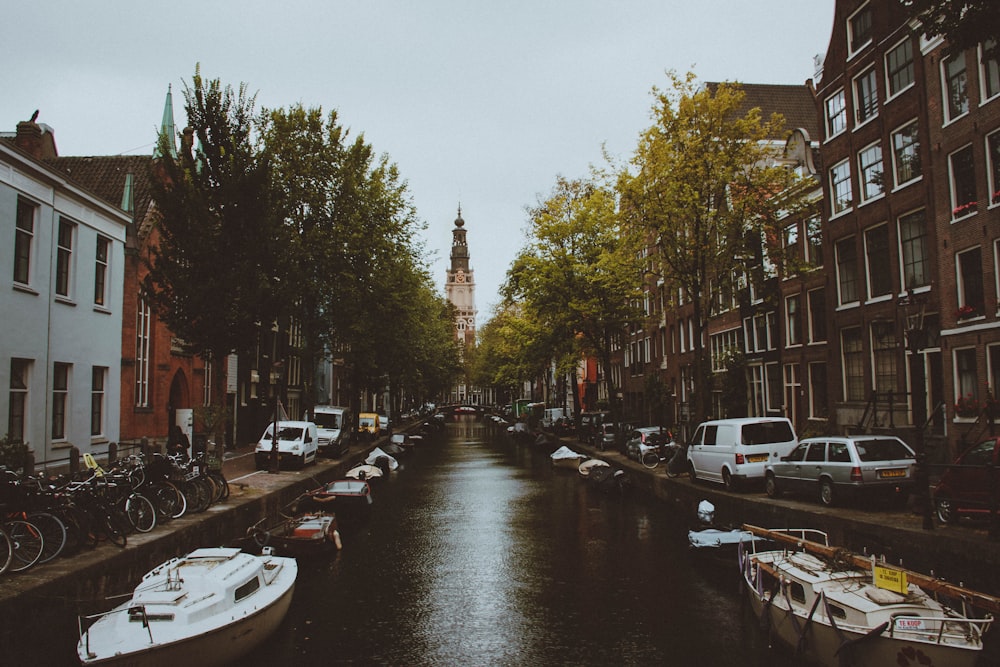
577 279
702 182
213 274
965 24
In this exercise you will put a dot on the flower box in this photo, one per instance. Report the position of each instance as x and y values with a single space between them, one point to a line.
963 210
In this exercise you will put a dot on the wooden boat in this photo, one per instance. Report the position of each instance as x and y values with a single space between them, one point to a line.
206 608
303 535
564 457
835 608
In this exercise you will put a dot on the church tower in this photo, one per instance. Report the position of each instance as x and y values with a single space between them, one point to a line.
460 286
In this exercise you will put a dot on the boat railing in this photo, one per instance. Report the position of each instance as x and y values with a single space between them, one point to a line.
786 536
956 628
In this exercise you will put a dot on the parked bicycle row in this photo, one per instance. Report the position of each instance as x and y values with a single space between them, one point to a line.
45 518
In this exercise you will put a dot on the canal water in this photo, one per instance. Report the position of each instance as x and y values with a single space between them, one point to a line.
478 552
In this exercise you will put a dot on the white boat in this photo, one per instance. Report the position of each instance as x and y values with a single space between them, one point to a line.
378 453
718 539
365 471
834 607
564 457
206 608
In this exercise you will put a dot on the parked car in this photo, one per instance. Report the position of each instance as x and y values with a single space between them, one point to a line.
589 424
646 439
369 425
969 490
297 441
835 467
604 435
735 451
333 427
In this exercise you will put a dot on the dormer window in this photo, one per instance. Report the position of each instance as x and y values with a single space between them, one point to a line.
859 29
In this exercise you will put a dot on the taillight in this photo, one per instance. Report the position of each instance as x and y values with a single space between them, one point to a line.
855 474
739 459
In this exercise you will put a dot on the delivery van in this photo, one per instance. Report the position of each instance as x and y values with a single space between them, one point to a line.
737 451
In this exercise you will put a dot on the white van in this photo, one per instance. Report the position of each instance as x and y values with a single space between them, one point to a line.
297 442
734 451
552 415
332 424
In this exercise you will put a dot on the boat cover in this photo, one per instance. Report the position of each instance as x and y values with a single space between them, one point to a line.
565 452
377 452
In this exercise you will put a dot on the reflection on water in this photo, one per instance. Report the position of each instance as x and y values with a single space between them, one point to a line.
478 552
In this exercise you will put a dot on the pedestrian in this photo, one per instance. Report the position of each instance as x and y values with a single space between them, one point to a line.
178 443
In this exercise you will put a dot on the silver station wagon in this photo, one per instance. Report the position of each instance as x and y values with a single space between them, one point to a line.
836 467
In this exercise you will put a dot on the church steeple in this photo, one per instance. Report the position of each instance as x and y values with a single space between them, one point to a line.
460 286
167 126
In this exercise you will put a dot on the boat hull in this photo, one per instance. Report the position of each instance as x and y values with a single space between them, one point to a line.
215 647
822 642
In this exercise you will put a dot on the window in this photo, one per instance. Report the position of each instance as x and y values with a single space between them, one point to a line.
840 187
814 240
906 154
969 266
990 73
98 379
993 360
847 271
836 114
966 377
859 29
64 257
865 97
877 260
793 320
914 250
724 345
101 271
24 234
143 322
817 315
963 183
760 333
791 241
956 100
757 386
817 452
899 67
817 390
18 398
993 165
60 399
774 395
884 349
870 168
854 364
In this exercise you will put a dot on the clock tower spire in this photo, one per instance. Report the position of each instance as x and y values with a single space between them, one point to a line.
460 285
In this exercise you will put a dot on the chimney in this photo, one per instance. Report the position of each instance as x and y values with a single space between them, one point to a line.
37 140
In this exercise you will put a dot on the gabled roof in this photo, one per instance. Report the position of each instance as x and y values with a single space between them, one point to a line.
794 102
107 175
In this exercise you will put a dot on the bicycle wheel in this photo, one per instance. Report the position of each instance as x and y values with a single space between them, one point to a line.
6 551
220 479
169 501
53 532
111 526
140 512
28 543
650 460
197 496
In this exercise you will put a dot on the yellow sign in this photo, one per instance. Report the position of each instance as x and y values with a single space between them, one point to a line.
891 580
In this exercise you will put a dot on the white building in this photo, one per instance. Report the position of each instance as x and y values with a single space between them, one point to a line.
62 258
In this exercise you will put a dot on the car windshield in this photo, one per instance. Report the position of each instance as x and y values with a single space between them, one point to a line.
289 433
327 420
766 433
882 450
366 421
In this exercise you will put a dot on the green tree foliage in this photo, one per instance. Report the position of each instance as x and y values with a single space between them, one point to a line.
214 272
577 278
965 24
701 183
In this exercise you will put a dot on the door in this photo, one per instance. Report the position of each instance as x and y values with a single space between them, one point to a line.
184 417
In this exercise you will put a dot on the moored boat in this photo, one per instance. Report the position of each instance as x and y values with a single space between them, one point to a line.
588 466
206 608
300 536
834 607
564 457
364 472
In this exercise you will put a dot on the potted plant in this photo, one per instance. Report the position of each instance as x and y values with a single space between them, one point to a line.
963 209
965 311
967 406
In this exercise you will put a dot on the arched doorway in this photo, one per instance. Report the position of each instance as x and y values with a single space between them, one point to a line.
179 409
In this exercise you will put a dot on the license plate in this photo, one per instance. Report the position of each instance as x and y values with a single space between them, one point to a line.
757 458
895 472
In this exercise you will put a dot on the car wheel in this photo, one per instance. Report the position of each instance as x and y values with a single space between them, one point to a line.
826 493
728 481
692 474
945 510
771 486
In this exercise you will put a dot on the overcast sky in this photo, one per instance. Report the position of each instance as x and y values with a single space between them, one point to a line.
477 102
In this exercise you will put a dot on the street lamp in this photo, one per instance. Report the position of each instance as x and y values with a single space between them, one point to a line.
913 307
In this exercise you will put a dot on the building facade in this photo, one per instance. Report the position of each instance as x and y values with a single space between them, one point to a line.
64 259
